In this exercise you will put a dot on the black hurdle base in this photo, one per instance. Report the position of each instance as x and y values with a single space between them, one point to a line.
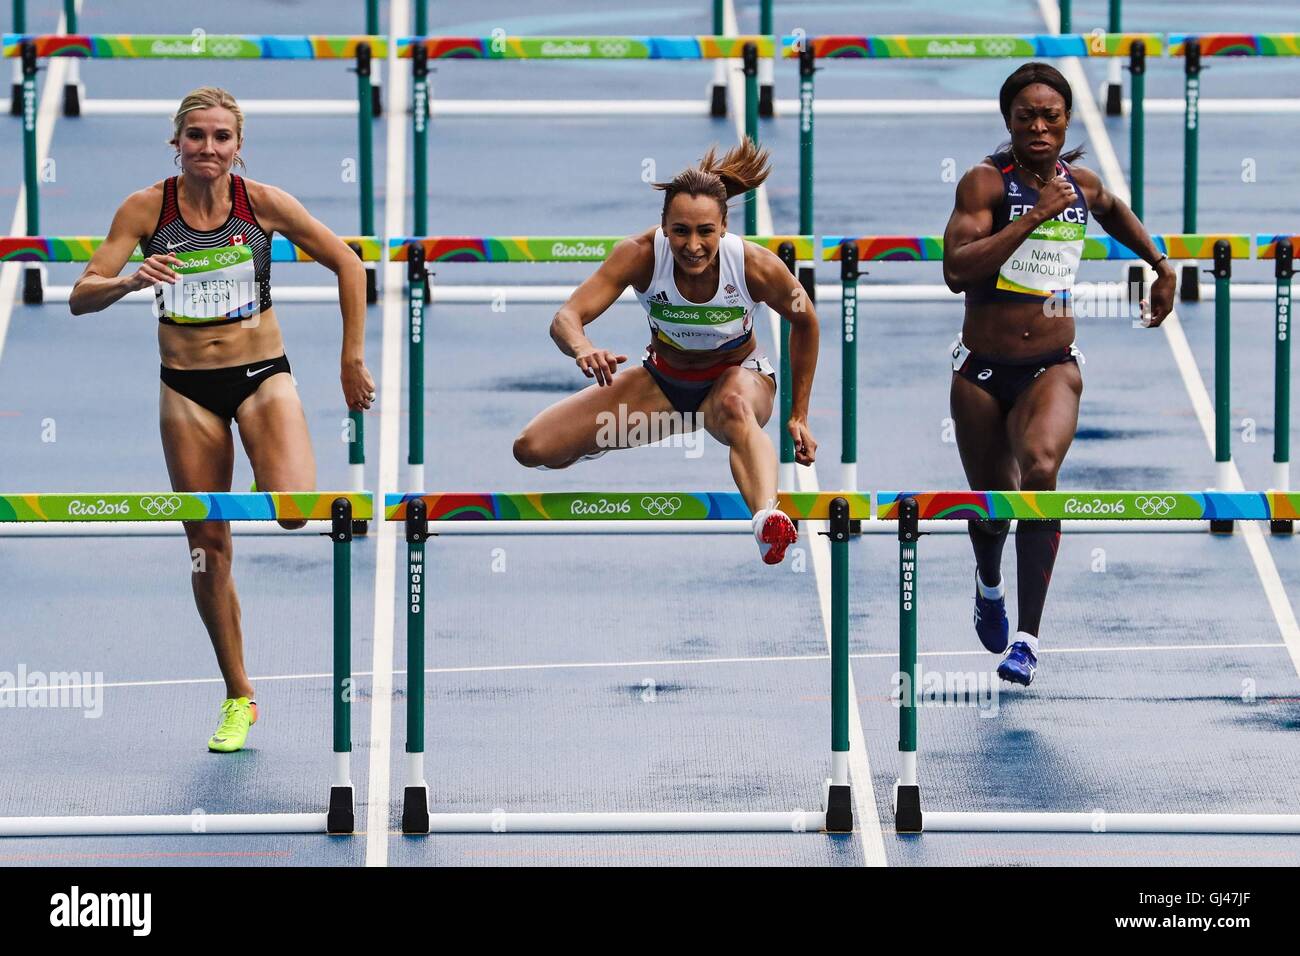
341 817
839 810
907 815
415 810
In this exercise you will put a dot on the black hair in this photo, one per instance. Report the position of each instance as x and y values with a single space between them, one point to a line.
1027 75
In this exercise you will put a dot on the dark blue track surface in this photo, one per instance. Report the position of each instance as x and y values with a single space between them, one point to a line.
625 672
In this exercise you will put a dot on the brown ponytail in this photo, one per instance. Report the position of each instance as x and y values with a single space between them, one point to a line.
742 168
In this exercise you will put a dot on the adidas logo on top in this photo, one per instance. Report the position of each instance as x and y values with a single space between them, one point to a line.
660 297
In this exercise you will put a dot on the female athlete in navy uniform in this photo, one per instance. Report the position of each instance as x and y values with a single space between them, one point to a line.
206 237
699 285
1013 246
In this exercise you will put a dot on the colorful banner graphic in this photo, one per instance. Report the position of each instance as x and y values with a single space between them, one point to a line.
1238 44
81 248
547 248
1094 505
972 45
930 248
501 47
616 506
181 506
1266 245
196 46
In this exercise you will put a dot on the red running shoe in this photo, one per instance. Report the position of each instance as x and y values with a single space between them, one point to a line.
774 532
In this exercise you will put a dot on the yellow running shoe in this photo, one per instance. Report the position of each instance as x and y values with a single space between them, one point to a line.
237 715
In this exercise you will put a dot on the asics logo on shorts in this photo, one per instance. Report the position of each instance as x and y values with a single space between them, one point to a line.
985 375
1158 507
661 506
161 507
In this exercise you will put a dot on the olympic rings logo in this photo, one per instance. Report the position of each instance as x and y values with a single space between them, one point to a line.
999 47
1158 507
226 258
613 48
715 316
161 507
225 48
659 506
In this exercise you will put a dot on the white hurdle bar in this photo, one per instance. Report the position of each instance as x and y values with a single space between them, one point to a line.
1101 822
196 824
794 821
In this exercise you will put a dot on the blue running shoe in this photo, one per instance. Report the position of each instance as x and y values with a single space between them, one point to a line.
1019 665
991 621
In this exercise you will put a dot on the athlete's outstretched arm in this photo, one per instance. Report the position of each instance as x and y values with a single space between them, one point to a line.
625 263
771 283
1114 215
972 252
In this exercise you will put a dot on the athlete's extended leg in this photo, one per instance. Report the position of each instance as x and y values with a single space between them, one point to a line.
200 456
1041 428
735 411
989 465
586 423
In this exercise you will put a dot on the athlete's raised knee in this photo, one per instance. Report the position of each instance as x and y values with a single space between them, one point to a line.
532 453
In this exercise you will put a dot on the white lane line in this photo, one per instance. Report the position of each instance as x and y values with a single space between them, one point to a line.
864 796
664 662
390 406
47 111
1113 175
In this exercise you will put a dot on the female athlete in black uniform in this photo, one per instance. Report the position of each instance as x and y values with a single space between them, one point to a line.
206 236
1013 246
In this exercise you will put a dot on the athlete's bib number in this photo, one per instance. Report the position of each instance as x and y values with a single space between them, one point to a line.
1046 262
212 284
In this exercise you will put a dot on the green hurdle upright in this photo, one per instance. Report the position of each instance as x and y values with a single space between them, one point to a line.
1282 250
908 508
418 510
28 48
339 509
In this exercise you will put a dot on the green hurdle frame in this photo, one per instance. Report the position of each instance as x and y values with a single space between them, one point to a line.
340 509
1192 47
909 508
28 49
82 248
418 511
807 50
422 252
1222 248
421 49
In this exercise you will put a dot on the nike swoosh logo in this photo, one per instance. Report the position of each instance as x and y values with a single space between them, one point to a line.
175 245
250 373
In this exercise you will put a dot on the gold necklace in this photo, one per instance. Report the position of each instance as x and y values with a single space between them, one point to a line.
1041 181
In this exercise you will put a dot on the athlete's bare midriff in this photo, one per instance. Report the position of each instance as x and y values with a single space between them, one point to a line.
221 346
1015 330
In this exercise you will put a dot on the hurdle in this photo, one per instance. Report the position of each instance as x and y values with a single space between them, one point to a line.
1221 248
419 510
908 507
421 252
339 509
29 49
499 47
807 50
1192 47
81 248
